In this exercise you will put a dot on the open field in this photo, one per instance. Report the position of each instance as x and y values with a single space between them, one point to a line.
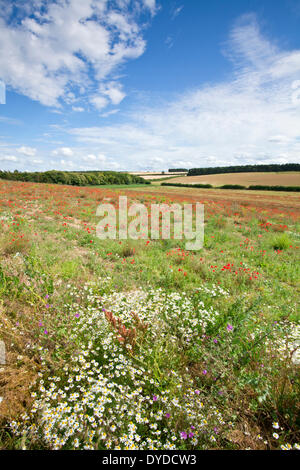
158 177
271 202
155 175
116 344
291 178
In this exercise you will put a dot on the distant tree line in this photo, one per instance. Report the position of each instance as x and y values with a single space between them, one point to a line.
236 186
275 188
76 178
187 185
244 169
177 170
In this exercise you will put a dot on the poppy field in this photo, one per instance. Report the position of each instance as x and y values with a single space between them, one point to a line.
140 344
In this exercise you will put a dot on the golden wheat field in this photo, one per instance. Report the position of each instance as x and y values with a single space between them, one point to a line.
246 179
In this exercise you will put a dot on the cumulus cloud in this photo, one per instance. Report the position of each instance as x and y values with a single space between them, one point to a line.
77 109
151 4
8 158
28 151
114 91
94 158
65 151
99 102
53 51
252 117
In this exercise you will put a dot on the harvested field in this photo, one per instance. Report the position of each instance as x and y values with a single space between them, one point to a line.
245 179
156 175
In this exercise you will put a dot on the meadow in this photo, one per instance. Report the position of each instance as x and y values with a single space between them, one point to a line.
140 344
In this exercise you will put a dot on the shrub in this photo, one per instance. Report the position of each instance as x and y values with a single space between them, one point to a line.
232 186
281 242
75 178
274 188
186 185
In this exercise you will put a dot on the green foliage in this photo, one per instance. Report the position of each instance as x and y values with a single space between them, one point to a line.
185 185
244 169
281 242
89 178
210 335
237 186
274 188
232 186
178 170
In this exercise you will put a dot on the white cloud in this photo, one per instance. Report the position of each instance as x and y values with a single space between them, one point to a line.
151 4
89 158
78 109
114 91
110 113
169 41
176 11
54 50
28 151
102 157
66 164
252 117
99 102
8 158
8 120
94 158
279 139
65 151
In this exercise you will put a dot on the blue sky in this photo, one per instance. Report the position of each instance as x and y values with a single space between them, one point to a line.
149 85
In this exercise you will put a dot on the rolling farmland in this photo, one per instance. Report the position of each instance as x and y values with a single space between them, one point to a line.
244 179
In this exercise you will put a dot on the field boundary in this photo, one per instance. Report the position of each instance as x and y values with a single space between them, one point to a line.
236 186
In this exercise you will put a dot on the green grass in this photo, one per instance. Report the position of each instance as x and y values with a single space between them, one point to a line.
211 322
122 186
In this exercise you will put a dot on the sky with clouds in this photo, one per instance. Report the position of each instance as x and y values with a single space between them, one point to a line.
148 84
